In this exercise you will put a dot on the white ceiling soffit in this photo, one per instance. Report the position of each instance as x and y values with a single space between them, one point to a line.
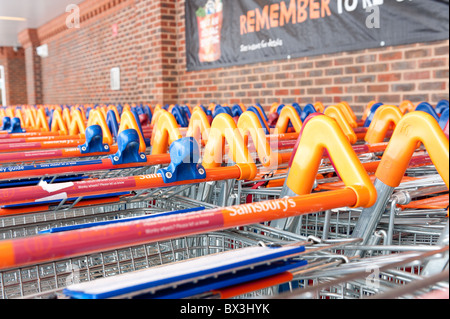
18 15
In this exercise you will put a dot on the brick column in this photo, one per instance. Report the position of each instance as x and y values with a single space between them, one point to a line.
156 40
13 61
30 41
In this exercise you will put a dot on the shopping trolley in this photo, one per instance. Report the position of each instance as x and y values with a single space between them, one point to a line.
374 278
422 225
425 229
166 119
232 169
128 159
249 208
81 139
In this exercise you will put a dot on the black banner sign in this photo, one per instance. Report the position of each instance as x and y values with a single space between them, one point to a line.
223 33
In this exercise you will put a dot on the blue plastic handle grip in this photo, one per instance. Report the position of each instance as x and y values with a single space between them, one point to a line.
371 115
263 125
307 110
222 109
112 123
6 124
443 120
426 107
237 110
262 111
180 116
442 106
186 111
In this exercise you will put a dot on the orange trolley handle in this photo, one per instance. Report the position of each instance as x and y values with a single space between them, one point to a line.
199 126
316 135
384 117
288 114
128 121
323 133
164 133
407 106
223 129
348 113
413 128
249 125
336 113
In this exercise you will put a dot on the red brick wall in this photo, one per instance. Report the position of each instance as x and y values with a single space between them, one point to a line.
13 62
77 69
156 43
30 41
150 50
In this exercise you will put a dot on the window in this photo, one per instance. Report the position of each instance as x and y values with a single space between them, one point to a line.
2 86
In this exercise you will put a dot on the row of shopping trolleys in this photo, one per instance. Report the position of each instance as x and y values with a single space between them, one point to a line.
135 201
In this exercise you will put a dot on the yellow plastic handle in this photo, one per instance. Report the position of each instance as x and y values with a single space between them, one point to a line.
336 113
82 112
30 118
156 114
58 124
407 106
165 132
77 124
348 113
320 108
223 129
413 128
103 110
274 108
66 116
353 115
384 118
367 110
126 107
212 107
2 114
320 133
9 112
97 117
249 125
41 121
128 121
288 113
197 107
199 126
